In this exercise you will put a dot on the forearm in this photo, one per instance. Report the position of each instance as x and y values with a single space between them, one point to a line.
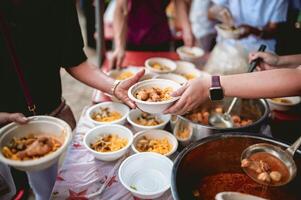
290 61
265 84
4 118
182 10
92 76
120 24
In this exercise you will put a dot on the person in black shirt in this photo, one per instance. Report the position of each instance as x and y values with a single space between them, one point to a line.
46 36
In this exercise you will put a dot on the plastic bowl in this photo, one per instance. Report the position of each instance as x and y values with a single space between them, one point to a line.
153 107
274 105
156 134
173 77
146 175
162 61
38 125
137 127
190 54
94 134
113 106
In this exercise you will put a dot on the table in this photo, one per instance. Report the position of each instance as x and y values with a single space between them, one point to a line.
81 174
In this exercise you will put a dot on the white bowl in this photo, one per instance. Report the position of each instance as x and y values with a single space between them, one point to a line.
94 134
184 65
225 32
149 173
173 77
115 73
163 61
156 134
284 106
132 116
182 69
38 125
147 76
236 196
153 107
113 106
183 141
184 55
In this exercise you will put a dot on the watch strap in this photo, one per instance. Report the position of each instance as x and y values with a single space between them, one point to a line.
215 81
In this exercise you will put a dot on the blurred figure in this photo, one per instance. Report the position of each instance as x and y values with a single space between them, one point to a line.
202 27
257 21
89 13
143 26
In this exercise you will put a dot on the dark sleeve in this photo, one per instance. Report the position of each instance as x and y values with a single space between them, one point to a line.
72 41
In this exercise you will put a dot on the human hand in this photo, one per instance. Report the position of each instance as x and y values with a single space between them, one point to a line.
121 91
245 30
188 37
193 94
116 59
12 117
269 60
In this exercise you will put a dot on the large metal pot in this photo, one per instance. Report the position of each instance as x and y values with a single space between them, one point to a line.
258 110
221 154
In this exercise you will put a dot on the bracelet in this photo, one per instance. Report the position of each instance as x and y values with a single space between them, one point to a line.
114 86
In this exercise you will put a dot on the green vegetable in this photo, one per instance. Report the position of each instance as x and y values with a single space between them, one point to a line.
133 187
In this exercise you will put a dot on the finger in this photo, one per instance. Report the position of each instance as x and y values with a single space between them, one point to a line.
18 117
177 106
180 91
127 101
112 63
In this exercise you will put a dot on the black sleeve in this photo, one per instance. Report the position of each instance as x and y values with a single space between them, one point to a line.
72 41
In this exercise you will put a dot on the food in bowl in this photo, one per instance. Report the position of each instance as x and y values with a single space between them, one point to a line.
189 76
30 147
109 143
154 94
106 115
125 75
160 67
266 168
202 117
184 133
148 144
282 100
146 119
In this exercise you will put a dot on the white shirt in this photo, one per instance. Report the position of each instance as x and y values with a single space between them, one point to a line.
257 13
201 25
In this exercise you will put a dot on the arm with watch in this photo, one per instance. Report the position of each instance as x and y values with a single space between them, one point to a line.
264 84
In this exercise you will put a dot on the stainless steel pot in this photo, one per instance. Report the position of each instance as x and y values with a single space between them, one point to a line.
255 109
221 154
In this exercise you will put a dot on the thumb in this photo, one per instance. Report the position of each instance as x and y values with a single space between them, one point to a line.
18 117
180 91
136 78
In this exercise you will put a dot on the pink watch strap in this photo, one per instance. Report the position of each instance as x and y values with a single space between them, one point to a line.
215 81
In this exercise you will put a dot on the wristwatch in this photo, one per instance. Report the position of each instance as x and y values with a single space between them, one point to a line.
216 91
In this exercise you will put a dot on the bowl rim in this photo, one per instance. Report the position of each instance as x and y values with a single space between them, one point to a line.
173 66
146 127
131 96
130 139
172 74
178 63
88 112
269 100
162 132
142 155
179 50
43 159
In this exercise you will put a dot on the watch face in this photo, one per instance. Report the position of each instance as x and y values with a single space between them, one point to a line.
216 94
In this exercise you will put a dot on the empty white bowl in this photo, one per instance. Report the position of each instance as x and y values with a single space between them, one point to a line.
134 114
236 196
274 105
173 77
190 54
156 134
162 61
37 125
94 134
225 32
146 175
153 107
113 106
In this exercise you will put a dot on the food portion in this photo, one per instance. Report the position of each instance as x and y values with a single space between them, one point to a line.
266 168
109 143
189 76
202 117
211 185
106 115
282 100
160 67
30 147
146 119
124 75
154 94
148 144
183 133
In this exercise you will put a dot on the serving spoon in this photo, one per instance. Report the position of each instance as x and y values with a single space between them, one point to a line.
220 120
285 156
